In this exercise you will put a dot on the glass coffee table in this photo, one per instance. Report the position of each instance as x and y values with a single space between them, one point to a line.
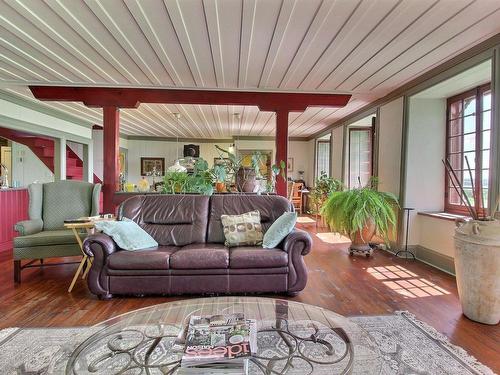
293 338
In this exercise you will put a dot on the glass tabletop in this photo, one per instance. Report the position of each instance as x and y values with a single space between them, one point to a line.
293 338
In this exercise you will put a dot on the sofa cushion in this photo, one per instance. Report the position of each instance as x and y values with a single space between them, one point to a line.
48 237
241 230
200 256
270 207
256 257
145 259
176 220
127 234
279 230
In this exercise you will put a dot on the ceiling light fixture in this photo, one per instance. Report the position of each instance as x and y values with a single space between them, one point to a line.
177 167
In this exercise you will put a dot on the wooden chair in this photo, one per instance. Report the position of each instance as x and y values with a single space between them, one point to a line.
295 195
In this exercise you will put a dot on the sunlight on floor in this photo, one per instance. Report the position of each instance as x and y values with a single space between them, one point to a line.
333 238
405 282
305 220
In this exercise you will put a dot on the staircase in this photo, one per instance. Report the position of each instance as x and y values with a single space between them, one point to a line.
44 149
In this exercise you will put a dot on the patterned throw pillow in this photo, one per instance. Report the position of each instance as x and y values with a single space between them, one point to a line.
242 230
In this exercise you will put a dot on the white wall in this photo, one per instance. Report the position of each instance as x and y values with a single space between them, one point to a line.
44 122
301 154
97 149
309 172
390 136
301 151
424 175
98 153
163 149
27 168
337 152
436 234
424 171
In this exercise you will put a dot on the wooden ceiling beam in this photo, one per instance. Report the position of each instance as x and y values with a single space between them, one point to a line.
133 97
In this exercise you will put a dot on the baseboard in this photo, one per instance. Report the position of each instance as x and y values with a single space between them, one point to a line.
440 261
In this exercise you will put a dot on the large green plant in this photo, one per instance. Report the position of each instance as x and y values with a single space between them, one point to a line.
347 212
232 164
323 187
277 170
200 181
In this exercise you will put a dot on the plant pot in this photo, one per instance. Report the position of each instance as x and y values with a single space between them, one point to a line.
477 266
361 240
220 187
246 180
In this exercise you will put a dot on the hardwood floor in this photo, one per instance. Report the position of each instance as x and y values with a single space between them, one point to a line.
347 285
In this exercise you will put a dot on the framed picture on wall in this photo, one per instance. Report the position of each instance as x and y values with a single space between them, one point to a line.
266 159
148 164
289 165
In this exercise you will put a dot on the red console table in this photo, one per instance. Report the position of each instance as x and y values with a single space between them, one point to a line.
13 208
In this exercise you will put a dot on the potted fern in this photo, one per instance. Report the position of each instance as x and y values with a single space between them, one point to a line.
360 214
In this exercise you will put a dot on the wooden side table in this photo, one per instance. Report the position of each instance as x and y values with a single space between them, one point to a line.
75 227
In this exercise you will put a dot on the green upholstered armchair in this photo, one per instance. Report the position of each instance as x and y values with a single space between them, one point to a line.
44 235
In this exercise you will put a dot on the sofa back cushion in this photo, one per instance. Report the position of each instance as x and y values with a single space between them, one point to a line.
170 219
270 207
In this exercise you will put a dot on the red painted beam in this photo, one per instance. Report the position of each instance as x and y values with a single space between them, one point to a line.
111 148
132 97
281 142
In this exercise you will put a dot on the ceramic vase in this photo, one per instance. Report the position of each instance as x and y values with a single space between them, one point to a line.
477 268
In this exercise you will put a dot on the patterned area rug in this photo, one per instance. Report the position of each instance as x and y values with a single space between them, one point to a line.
407 346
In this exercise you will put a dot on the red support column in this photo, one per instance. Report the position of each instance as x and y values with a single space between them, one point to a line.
111 149
282 148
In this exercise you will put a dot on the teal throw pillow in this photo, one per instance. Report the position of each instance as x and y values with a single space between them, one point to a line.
127 234
279 230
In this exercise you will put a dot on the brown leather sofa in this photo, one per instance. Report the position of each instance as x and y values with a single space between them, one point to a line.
191 257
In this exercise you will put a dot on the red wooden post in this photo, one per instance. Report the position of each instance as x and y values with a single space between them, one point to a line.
282 148
111 149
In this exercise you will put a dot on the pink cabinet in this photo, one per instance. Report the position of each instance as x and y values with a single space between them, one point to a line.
13 208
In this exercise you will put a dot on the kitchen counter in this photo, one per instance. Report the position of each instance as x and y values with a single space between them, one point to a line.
13 189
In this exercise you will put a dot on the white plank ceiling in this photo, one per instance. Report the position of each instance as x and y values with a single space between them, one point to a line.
367 48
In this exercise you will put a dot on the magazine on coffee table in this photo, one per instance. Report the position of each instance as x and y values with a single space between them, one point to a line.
218 344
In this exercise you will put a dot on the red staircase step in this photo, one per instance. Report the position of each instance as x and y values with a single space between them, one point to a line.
46 151
41 142
43 148
70 162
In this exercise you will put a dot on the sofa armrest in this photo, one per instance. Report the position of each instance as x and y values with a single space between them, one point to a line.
298 241
297 244
28 227
100 246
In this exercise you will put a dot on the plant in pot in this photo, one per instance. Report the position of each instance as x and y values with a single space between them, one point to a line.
277 170
174 182
199 182
360 214
323 187
231 163
219 176
246 179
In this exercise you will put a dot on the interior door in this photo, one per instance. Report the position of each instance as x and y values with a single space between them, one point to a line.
6 159
6 156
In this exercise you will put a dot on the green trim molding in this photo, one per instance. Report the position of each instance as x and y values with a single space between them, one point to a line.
13 98
437 260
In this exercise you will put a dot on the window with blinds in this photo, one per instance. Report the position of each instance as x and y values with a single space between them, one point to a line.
323 158
360 157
